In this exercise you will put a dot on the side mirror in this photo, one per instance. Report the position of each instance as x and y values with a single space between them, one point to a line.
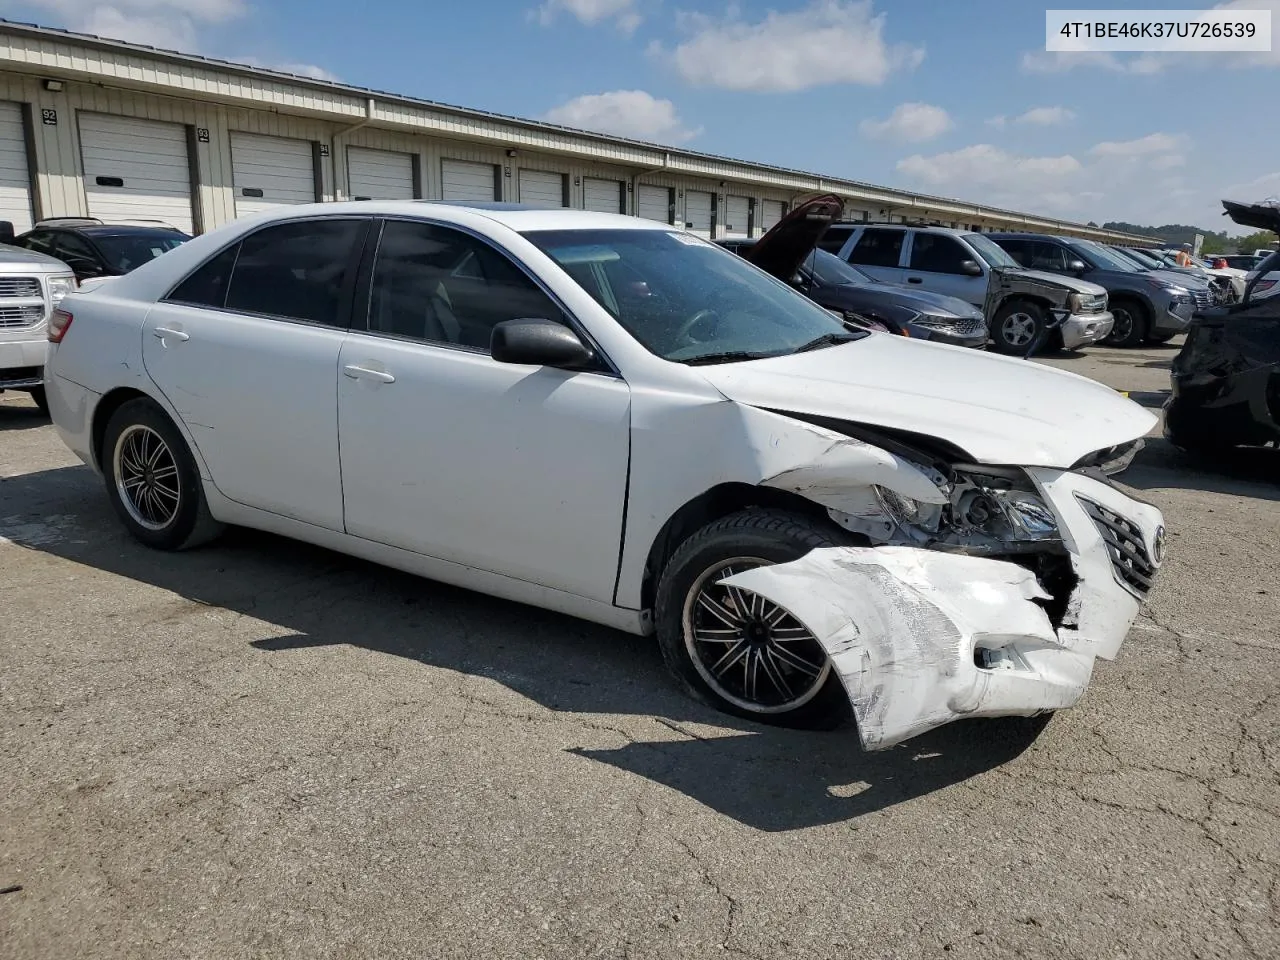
971 268
1076 266
6 231
541 343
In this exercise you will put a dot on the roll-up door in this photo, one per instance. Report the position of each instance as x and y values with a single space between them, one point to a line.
697 212
465 180
539 188
653 203
602 196
15 178
136 169
379 174
737 217
270 172
770 213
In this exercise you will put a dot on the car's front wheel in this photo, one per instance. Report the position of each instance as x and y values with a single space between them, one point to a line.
1131 323
1016 326
152 480
735 650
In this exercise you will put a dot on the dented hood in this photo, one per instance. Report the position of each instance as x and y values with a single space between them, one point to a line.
997 409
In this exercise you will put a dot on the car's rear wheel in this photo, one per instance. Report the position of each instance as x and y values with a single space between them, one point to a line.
40 399
1131 323
152 480
735 650
1016 325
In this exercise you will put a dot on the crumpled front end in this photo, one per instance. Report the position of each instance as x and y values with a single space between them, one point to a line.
921 637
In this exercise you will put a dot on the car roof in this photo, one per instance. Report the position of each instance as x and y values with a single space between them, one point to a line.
517 216
954 231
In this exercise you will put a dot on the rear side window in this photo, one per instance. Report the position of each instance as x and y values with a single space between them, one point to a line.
1048 256
878 248
834 239
295 270
937 253
1020 250
207 287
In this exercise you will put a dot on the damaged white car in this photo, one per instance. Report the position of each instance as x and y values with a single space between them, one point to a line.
612 418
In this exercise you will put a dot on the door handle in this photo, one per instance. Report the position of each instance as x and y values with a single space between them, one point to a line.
161 332
356 372
915 280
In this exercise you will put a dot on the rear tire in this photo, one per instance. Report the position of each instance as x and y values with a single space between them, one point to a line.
152 480
1016 325
40 399
810 695
1132 321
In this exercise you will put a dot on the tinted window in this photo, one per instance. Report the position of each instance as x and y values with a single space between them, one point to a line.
937 253
128 251
834 239
295 270
1020 250
40 241
1047 256
68 245
831 269
878 248
437 284
207 287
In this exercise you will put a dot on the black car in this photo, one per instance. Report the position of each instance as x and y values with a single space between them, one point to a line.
788 251
1226 378
92 248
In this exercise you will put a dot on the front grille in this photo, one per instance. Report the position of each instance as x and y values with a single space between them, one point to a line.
971 327
1130 560
20 316
11 288
1201 297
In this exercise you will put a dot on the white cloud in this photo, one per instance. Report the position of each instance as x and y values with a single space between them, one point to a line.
1047 116
827 42
1112 180
171 24
998 121
909 122
625 113
622 12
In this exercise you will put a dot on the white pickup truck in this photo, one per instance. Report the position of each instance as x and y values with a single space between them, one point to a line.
31 285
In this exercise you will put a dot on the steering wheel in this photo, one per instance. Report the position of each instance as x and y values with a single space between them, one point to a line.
692 322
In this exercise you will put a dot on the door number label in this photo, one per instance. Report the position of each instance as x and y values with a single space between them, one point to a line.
49 118
202 134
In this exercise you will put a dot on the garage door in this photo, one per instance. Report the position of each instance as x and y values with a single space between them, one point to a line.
464 180
697 212
379 174
136 169
602 196
538 188
737 217
654 203
770 213
270 172
15 182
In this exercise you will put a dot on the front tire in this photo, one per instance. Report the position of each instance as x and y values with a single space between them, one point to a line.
1131 324
1016 325
152 480
734 650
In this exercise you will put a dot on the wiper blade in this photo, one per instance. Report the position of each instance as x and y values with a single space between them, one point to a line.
827 340
729 356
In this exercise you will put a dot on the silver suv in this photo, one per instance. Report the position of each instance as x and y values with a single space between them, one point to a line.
1023 308
31 285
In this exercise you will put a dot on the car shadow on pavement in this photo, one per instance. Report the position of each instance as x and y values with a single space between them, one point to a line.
15 416
764 777
1253 473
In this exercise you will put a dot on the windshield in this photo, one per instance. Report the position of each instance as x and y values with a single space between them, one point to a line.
990 251
686 299
1103 258
829 268
128 251
1142 259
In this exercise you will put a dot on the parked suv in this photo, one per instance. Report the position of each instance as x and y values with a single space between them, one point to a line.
1148 305
31 285
1019 304
94 249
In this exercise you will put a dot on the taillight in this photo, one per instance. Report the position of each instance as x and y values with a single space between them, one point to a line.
1263 285
59 324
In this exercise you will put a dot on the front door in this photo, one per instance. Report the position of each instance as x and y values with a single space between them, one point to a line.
935 263
516 470
246 351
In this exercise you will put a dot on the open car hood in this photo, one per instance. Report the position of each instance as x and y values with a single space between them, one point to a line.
787 244
998 410
1260 216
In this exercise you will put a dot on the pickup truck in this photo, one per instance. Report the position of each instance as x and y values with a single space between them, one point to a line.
31 285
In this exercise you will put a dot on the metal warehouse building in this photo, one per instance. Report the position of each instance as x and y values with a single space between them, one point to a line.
93 127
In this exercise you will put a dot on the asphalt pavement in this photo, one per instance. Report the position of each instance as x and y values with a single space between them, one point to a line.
261 749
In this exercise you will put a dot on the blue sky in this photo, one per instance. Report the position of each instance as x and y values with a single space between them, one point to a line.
956 99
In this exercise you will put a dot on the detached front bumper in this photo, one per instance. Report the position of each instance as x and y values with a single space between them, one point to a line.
1080 330
921 638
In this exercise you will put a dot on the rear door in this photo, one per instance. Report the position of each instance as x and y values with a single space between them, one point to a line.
879 251
246 350
935 262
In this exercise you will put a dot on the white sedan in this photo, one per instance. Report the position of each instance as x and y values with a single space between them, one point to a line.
615 419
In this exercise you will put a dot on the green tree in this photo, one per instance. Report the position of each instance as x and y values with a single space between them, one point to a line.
1263 239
